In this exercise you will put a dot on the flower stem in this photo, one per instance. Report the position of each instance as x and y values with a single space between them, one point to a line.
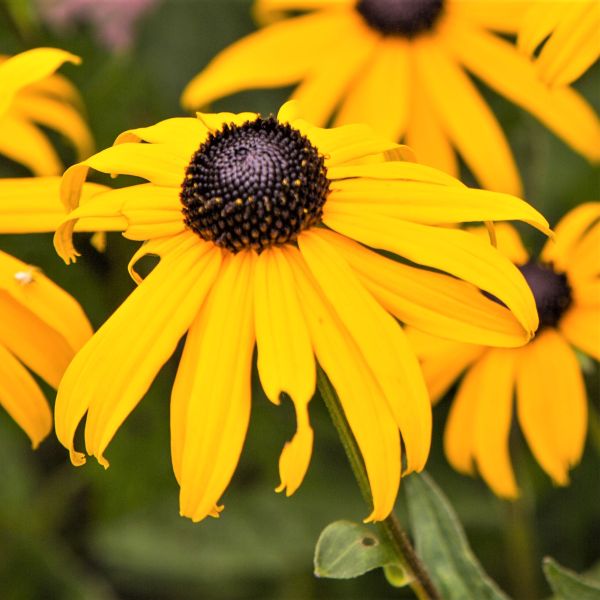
390 528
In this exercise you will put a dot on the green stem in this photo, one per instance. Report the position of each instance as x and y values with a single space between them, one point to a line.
390 528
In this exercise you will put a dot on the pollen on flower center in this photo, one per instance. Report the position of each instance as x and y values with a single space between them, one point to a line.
551 291
254 185
400 17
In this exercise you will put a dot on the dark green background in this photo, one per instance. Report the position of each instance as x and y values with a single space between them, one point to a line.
94 534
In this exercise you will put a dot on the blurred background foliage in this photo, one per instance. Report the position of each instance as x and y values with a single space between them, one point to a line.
86 533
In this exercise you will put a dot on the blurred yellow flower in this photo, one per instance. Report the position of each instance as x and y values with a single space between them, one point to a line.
32 95
569 32
550 393
400 67
236 208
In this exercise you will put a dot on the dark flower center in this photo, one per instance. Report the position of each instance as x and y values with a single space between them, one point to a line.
400 17
551 291
254 185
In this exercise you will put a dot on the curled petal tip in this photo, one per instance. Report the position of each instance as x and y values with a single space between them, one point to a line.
77 458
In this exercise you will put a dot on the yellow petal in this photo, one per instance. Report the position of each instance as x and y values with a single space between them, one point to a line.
381 95
585 257
581 326
28 67
22 398
424 133
285 357
257 61
442 361
337 72
24 143
508 241
498 15
115 368
381 341
465 116
493 420
537 24
568 232
431 203
439 304
59 116
361 397
217 409
267 11
457 252
560 109
552 404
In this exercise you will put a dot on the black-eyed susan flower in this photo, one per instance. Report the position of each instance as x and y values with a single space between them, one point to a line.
400 66
551 405
33 95
568 34
262 227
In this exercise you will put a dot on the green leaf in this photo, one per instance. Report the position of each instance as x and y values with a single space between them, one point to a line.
568 585
345 550
442 545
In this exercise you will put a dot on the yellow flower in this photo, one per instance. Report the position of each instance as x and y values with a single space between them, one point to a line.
235 209
399 65
31 94
573 44
551 401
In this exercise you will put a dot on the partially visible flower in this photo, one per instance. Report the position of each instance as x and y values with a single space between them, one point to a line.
551 404
114 21
401 66
569 34
31 94
259 225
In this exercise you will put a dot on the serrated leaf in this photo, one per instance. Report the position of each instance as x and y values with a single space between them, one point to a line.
345 550
442 545
568 585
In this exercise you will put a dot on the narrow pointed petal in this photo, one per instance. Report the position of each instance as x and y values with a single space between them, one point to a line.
285 356
459 253
22 398
465 116
256 61
380 339
552 404
382 96
115 368
493 420
218 407
581 326
561 109
362 398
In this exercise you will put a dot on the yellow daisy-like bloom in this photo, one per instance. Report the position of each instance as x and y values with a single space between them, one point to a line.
235 208
41 325
568 30
31 94
399 65
550 393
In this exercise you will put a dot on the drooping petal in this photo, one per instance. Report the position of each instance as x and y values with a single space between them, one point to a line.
22 398
561 109
285 356
457 252
381 96
381 341
493 418
362 398
442 361
257 61
581 326
114 369
431 203
436 303
24 143
28 67
465 116
552 404
218 405
61 117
